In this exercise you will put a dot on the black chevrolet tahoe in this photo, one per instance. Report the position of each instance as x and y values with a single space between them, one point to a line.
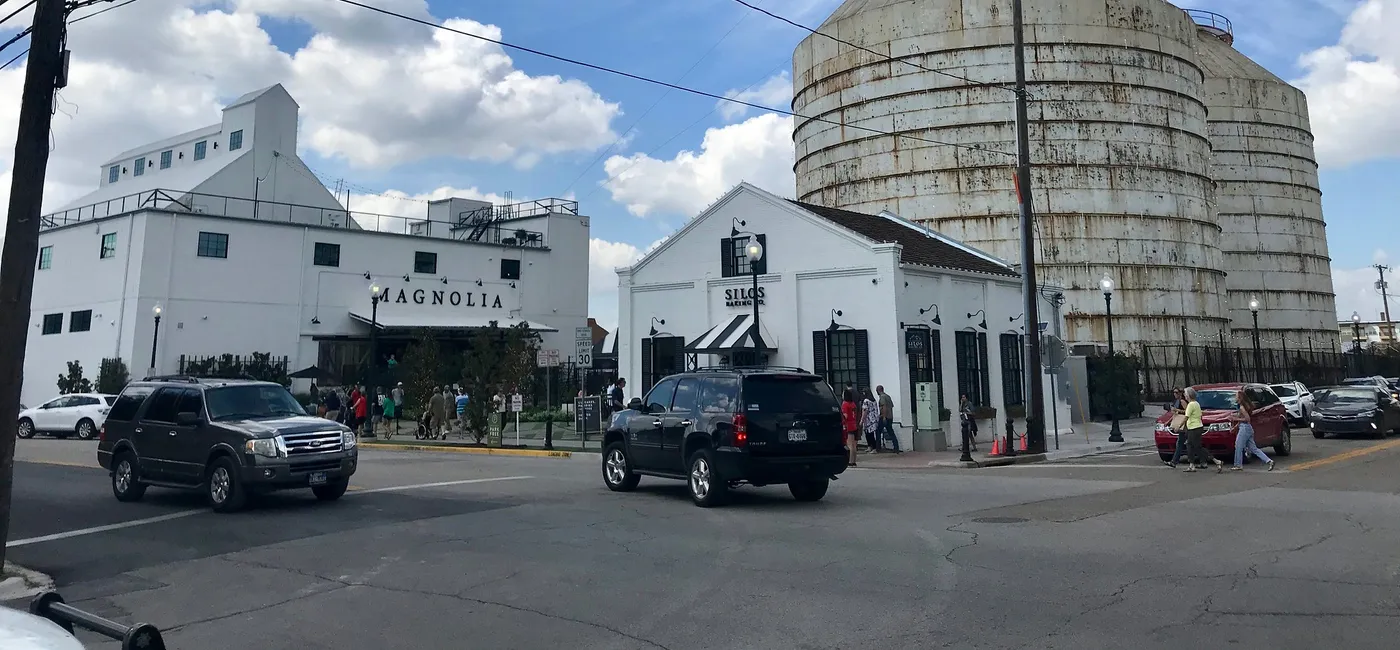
719 428
231 438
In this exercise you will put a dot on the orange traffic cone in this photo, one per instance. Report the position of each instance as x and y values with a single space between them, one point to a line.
1023 446
996 446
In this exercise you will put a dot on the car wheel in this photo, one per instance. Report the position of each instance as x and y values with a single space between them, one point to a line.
1166 457
809 490
86 430
332 490
1284 446
26 428
225 490
126 480
617 469
707 488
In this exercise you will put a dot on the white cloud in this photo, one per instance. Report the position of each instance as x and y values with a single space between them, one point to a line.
775 92
757 150
1356 290
603 259
371 92
1353 87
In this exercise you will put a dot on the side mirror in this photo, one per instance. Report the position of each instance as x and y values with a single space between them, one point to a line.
635 404
187 419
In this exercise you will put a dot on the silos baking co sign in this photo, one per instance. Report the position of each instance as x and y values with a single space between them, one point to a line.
743 297
444 298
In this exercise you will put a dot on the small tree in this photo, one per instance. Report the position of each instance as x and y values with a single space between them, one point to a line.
74 382
481 378
421 366
112 376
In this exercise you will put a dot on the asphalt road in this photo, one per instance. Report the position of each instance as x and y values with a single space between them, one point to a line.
450 550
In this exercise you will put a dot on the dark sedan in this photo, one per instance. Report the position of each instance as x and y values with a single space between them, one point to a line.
1354 410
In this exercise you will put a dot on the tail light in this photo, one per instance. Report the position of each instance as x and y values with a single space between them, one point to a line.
102 433
741 430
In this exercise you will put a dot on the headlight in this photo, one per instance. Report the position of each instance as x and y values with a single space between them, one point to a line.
348 440
1162 428
267 447
1220 426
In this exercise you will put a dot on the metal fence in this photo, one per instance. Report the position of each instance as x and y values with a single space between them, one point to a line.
1165 367
262 367
562 383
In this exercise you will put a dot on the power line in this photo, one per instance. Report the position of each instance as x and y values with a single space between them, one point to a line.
75 20
879 54
16 13
693 91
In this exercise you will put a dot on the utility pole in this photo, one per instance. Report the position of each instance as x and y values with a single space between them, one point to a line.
1385 303
45 73
1030 289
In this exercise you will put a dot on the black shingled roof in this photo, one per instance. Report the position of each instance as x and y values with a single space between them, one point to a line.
917 247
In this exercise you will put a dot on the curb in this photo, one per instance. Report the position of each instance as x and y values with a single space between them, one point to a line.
489 451
1100 449
23 583
1019 459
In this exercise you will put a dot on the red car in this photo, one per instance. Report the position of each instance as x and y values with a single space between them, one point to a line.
1217 403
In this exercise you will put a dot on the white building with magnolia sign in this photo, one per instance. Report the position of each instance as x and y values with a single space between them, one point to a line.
862 299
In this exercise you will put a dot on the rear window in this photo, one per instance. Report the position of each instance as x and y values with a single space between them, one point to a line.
110 399
1284 391
789 394
125 406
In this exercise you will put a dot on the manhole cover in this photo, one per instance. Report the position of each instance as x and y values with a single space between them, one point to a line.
1000 520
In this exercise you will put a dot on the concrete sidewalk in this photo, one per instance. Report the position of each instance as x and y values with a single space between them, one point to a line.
1086 440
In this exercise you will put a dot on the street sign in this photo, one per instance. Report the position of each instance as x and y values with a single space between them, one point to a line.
1053 351
583 346
493 432
588 414
547 358
517 403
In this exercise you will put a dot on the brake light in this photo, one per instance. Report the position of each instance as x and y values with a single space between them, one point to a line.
741 431
102 433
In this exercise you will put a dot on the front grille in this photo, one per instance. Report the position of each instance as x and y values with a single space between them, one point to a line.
313 442
315 466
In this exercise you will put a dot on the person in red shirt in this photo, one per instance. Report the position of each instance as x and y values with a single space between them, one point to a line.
361 409
849 409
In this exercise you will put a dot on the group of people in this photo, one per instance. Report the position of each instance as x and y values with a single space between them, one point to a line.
871 414
362 410
446 405
1186 422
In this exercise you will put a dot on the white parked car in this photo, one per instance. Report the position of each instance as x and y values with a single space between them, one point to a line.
24 631
1297 401
80 414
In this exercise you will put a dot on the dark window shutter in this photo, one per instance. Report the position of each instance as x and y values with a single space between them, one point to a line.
863 360
819 354
645 384
763 263
986 388
726 258
678 349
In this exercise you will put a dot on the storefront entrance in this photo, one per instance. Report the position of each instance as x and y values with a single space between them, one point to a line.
922 347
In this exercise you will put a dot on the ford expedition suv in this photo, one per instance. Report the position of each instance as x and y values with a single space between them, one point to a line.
231 438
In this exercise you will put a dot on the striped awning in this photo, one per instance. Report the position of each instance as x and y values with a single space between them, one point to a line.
607 347
735 333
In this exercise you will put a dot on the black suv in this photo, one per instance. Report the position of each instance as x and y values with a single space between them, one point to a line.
719 428
232 438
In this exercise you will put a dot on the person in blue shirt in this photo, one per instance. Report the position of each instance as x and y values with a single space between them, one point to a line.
461 404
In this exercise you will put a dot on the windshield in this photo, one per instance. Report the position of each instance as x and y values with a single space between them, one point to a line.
250 402
1217 400
1284 390
778 394
1342 396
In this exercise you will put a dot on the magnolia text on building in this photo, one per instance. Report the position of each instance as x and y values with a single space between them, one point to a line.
444 297
742 297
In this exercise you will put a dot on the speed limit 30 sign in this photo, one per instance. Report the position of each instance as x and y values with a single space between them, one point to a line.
583 346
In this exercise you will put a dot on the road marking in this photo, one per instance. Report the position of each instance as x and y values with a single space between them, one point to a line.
455 449
62 463
470 481
1082 466
102 529
1348 455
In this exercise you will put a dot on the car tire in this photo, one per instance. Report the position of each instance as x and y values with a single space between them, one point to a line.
1284 446
26 428
85 430
223 487
707 489
809 490
617 469
1166 457
332 490
126 478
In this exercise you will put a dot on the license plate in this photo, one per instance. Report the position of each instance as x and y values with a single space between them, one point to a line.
317 478
797 435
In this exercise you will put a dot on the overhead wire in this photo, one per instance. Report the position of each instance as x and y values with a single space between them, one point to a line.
16 12
75 20
667 84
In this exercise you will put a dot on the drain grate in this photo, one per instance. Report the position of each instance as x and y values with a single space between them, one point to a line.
1000 520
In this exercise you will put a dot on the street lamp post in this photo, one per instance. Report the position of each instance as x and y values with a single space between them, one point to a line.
155 336
1355 343
376 294
1258 356
1115 434
754 250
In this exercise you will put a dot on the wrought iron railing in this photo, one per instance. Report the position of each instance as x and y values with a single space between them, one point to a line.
497 231
1214 23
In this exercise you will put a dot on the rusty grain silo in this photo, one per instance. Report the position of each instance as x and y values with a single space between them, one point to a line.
1118 141
1274 238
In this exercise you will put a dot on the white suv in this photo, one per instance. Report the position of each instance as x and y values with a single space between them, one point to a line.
80 414
1297 400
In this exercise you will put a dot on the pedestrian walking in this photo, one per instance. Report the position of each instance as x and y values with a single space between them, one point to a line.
332 401
885 428
617 395
1178 425
436 406
361 408
397 394
1200 458
1244 440
461 408
849 425
391 414
870 422
969 422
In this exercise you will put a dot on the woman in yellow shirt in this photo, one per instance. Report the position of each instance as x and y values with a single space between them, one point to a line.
1200 458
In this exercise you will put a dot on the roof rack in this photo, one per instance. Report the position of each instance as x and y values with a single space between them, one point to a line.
184 378
751 369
